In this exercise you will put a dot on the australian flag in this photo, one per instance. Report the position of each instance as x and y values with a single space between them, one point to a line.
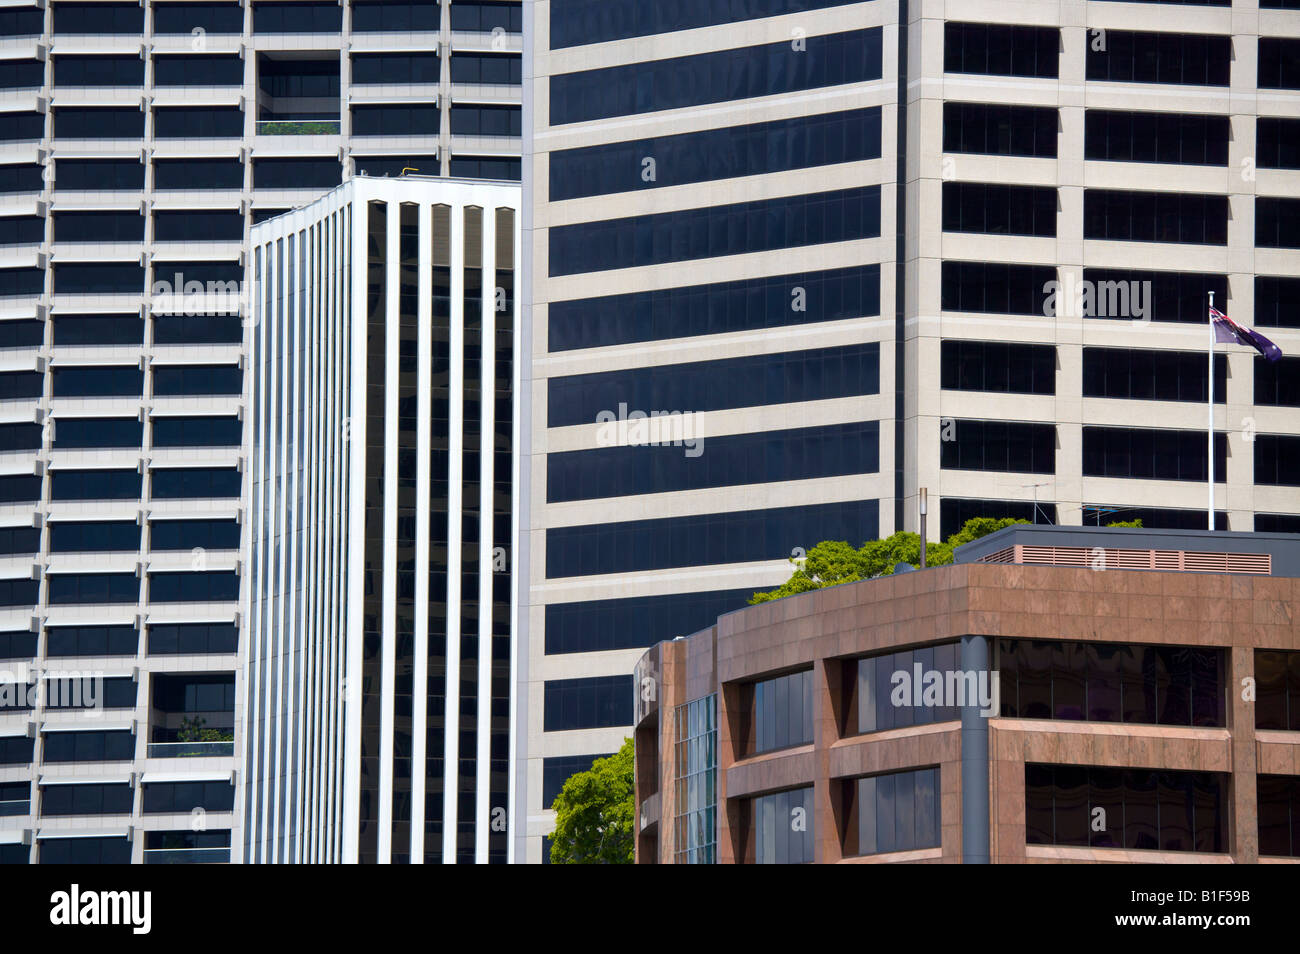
1227 330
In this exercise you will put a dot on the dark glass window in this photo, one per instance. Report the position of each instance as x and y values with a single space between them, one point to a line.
199 173
392 168
95 485
197 329
386 16
1277 460
485 120
1142 809
783 827
995 287
898 811
757 226
769 456
98 71
485 167
1014 446
189 639
104 122
197 431
998 366
592 703
1277 681
93 587
634 622
1155 217
185 797
786 378
98 381
85 851
17 385
884 701
313 17
1277 143
1279 62
1183 59
1153 518
1277 383
98 329
97 536
198 226
470 17
87 19
23 230
19 541
730 153
210 122
21 281
218 18
20 488
394 68
556 771
197 379
22 177
995 129
1150 454
1151 375
25 333
1277 522
1277 222
1171 296
17 750
213 587
188 534
111 692
91 641
1184 138
782 713
705 539
95 278
579 22
16 437
1112 682
22 74
86 800
191 482
22 127
211 70
1278 802
999 49
20 645
97 432
415 120
999 209
748 304
828 60
98 227
498 69
296 173
22 21
99 175
1277 301
110 746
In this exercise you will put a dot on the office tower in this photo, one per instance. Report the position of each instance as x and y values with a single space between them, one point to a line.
1017 725
714 226
138 143
382 413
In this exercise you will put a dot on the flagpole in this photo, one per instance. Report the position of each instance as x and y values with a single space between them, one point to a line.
1210 413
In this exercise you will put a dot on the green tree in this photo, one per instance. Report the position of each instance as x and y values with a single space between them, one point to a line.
594 814
833 562
1127 523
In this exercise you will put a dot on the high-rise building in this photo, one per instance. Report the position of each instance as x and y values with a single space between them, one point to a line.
138 144
382 416
848 250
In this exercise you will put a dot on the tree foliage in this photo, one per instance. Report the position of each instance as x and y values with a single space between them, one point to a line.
594 814
833 562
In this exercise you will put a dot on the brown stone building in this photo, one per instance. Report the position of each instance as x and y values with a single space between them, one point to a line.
1058 694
